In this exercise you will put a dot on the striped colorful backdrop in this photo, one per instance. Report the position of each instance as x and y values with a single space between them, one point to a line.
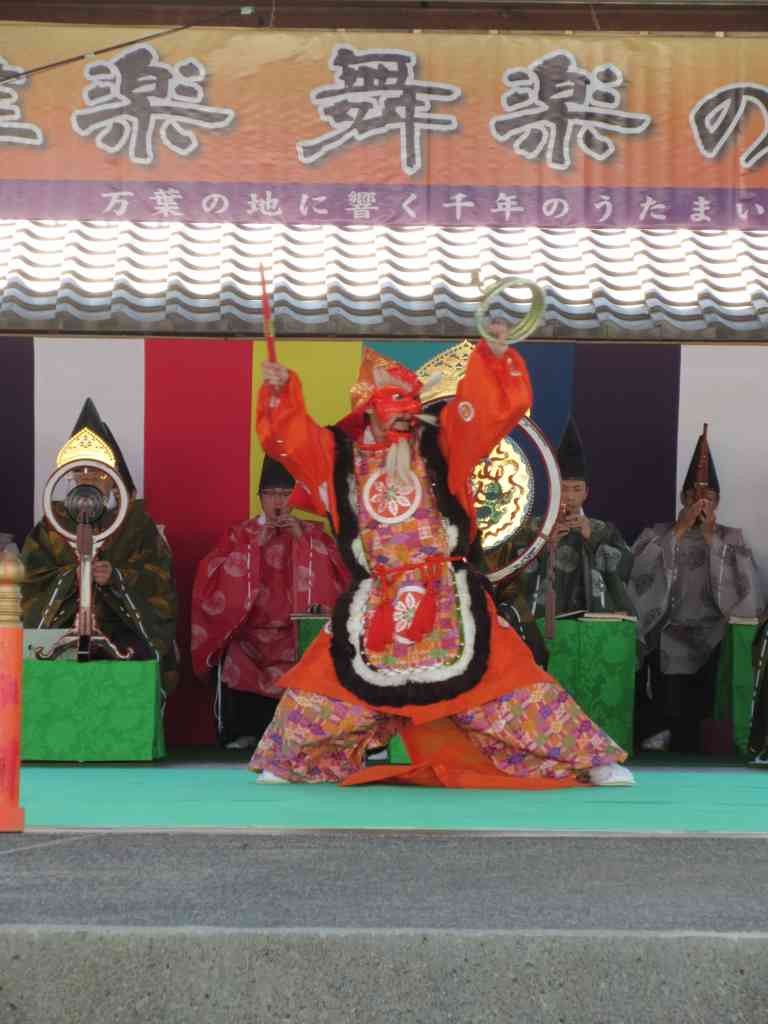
182 412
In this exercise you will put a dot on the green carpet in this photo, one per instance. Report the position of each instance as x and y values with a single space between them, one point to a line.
168 796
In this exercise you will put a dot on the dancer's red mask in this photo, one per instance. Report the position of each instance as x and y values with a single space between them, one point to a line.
392 403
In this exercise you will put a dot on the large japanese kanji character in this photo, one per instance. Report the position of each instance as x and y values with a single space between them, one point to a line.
554 104
14 131
375 93
136 95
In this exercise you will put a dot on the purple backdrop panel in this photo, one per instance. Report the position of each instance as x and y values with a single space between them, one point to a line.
17 436
625 402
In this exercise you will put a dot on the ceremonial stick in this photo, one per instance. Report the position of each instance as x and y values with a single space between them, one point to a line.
266 313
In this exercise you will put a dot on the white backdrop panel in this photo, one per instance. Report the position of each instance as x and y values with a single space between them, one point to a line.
69 370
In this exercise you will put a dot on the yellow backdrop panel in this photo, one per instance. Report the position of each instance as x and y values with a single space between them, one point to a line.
327 368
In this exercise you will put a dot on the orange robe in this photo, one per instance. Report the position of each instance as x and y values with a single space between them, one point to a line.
493 395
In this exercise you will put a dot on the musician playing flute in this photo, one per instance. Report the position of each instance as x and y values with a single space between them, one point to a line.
592 561
688 579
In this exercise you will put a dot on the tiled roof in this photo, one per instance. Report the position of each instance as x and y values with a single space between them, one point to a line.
163 278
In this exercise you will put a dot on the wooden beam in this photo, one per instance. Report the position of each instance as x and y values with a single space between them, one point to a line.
460 15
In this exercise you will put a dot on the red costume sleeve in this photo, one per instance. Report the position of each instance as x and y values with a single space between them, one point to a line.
492 396
229 584
289 434
222 597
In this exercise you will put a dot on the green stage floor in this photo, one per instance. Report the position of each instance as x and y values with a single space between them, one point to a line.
223 794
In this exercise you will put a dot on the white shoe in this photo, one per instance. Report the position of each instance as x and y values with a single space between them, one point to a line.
241 743
659 741
611 775
266 776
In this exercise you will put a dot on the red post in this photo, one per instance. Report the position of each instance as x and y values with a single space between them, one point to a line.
11 575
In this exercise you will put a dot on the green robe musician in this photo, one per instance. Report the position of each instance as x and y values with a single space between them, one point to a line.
592 560
134 594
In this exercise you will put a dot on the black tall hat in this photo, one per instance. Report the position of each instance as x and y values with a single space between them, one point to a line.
89 417
120 464
702 466
570 454
92 439
273 474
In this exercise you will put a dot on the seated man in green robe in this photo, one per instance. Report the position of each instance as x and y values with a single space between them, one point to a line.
134 597
592 560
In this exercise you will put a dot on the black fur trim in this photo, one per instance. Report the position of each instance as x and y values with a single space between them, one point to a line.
342 649
349 528
448 505
475 557
342 652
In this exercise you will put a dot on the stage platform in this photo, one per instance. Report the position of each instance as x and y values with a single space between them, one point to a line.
210 790
184 891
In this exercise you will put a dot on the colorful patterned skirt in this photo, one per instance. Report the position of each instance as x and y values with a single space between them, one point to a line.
532 738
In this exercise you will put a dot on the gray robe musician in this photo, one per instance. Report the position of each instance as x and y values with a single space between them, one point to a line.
688 579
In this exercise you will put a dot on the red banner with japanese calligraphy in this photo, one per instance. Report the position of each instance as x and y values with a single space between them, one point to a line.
250 125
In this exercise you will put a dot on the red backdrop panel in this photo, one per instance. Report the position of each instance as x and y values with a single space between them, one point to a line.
196 480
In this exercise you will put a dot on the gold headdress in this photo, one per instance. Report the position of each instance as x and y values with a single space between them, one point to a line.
89 440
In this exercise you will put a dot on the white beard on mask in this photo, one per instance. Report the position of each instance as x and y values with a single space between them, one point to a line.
398 463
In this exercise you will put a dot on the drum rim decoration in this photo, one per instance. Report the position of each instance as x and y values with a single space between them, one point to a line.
549 518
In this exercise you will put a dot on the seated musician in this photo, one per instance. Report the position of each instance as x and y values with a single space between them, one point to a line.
688 579
260 573
134 595
592 559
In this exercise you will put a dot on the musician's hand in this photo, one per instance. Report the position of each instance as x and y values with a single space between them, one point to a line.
102 572
289 522
560 530
708 520
689 515
274 374
580 523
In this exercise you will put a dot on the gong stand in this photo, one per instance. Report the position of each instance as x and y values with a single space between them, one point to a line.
85 638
